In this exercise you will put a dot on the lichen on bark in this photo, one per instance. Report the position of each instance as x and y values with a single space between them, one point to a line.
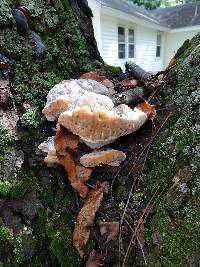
172 235
37 209
37 205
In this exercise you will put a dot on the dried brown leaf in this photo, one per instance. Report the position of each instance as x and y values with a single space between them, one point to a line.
64 140
77 175
148 109
86 216
93 76
101 79
109 228
95 259
127 84
83 173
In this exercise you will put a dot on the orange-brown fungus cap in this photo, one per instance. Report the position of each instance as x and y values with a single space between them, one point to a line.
97 158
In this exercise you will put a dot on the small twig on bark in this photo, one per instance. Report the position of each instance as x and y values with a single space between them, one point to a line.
148 79
131 96
141 220
137 72
143 255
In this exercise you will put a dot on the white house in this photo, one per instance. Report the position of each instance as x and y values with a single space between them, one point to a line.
125 31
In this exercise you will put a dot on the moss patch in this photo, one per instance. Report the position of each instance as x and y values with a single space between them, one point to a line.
173 234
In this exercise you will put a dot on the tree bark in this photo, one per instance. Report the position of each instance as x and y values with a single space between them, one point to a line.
31 195
37 205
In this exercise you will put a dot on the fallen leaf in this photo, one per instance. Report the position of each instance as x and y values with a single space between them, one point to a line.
95 259
109 228
148 109
83 173
77 175
101 79
127 84
92 75
86 216
64 140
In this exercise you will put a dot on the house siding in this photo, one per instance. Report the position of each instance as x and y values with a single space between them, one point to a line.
109 37
145 44
174 40
146 39
106 22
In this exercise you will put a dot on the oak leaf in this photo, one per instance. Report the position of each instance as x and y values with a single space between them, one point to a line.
77 175
86 216
64 140
127 84
148 109
92 75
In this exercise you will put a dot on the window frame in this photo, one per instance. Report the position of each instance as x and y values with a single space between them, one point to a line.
121 43
131 43
126 43
159 44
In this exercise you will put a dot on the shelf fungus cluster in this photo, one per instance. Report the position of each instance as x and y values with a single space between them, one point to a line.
88 120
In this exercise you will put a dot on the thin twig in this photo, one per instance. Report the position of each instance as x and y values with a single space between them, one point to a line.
142 219
145 261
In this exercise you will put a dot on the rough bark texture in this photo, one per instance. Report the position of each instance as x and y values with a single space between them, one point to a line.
172 235
37 205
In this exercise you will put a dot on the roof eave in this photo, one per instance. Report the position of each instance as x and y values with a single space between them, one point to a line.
118 13
185 29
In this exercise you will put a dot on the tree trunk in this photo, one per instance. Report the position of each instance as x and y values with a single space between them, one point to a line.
37 205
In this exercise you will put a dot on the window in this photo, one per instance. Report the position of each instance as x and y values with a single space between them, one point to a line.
121 43
126 43
131 43
158 45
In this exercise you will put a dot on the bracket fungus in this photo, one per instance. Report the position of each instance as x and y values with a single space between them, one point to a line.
67 92
59 98
110 157
48 147
97 122
87 111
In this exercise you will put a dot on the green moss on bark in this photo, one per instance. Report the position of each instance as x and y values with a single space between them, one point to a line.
173 233
46 235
